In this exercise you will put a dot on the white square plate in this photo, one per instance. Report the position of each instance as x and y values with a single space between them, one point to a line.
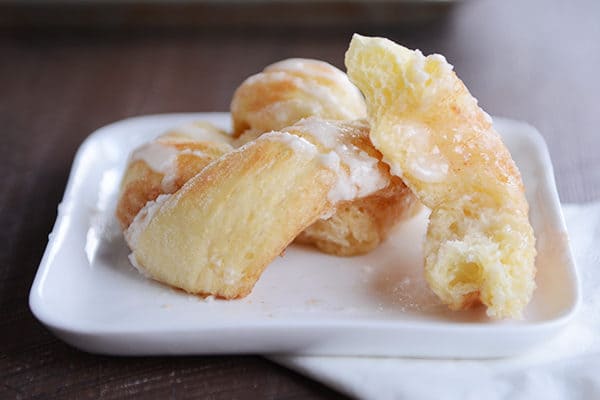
306 302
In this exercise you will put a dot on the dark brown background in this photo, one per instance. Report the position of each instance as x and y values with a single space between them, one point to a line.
536 61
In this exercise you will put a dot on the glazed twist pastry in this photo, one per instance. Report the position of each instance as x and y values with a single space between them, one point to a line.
480 246
358 223
165 164
216 234
362 218
290 90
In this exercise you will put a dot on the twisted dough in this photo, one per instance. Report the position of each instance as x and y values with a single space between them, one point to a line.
368 201
358 222
287 92
165 164
292 89
479 245
218 232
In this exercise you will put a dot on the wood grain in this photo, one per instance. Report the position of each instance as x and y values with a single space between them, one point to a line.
533 60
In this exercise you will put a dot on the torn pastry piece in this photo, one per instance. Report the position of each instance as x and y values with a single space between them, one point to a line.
368 201
217 233
165 164
289 90
480 246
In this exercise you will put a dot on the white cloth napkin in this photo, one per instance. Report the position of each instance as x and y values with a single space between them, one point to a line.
567 367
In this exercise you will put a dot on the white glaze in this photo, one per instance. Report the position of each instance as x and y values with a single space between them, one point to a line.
159 157
306 67
424 161
162 158
324 132
331 102
284 113
170 175
197 153
326 99
428 168
359 176
143 218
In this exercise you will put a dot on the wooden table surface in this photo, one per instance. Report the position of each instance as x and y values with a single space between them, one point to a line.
536 61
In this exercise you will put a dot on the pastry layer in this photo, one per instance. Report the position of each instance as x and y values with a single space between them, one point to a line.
165 164
226 224
289 90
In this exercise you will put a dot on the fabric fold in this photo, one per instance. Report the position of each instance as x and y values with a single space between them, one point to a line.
565 367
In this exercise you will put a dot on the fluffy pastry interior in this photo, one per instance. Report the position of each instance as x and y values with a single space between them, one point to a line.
359 226
480 246
226 224
165 164
289 90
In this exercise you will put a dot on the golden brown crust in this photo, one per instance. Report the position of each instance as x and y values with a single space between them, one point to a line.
356 227
224 226
190 152
139 186
287 91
